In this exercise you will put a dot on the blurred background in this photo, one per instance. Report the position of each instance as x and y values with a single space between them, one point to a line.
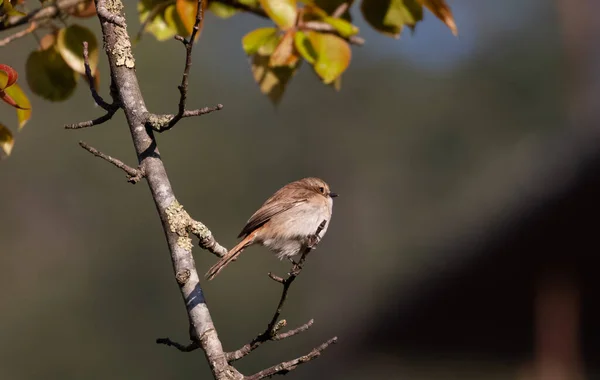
463 244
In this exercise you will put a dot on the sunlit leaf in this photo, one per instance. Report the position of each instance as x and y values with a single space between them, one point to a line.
8 10
284 55
6 140
255 39
282 12
8 76
304 47
443 12
24 111
332 55
69 43
187 9
272 80
221 10
49 76
344 28
390 16
166 22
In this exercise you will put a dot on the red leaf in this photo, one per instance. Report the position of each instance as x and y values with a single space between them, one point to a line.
11 76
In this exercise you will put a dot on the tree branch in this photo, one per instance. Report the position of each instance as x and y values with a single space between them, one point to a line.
176 222
46 12
161 123
133 175
30 29
285 367
117 46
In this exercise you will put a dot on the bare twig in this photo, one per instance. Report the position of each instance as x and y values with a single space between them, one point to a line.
285 367
249 347
271 332
32 27
340 10
91 123
161 123
181 347
90 77
133 175
183 87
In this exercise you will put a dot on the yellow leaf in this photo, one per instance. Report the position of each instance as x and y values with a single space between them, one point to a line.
187 9
443 12
6 140
282 12
390 16
284 55
332 55
69 43
257 38
23 113
272 80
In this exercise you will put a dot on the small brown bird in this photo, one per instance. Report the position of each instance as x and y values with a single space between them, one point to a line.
287 222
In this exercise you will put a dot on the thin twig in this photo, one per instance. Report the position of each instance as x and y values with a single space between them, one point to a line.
271 332
183 87
161 123
181 347
340 10
90 123
32 27
285 367
88 73
133 175
249 347
45 12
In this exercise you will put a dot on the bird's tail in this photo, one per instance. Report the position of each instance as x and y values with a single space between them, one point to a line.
229 257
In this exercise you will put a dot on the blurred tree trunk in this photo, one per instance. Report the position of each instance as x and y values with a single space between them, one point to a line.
557 306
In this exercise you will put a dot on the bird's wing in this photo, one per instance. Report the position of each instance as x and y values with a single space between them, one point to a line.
272 207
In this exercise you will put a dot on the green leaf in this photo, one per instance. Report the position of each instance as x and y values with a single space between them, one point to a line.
282 12
258 38
344 28
390 16
166 22
6 140
304 47
69 43
332 55
24 110
222 10
49 76
272 80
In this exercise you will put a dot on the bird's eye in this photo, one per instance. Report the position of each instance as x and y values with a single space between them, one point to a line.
322 189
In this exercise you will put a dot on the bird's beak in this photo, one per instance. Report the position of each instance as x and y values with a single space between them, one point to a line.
333 195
